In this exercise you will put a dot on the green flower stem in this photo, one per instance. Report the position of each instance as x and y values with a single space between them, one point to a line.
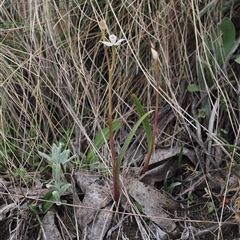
105 49
116 185
110 122
155 126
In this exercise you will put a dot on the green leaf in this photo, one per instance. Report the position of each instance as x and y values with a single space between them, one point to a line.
48 195
103 169
165 185
43 155
128 141
56 171
180 156
35 209
100 139
193 88
145 122
205 73
138 206
173 185
228 35
47 205
222 43
64 188
57 197
210 208
56 152
237 59
64 156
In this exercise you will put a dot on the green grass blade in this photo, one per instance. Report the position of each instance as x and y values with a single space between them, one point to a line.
145 122
180 156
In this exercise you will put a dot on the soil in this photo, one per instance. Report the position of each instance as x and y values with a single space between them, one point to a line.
129 229
200 222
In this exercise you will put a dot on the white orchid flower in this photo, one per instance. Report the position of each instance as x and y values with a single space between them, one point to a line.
113 41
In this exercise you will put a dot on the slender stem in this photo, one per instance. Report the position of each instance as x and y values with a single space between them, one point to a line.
110 122
105 48
116 186
155 126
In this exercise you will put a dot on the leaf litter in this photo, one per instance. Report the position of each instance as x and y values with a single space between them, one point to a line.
96 210
94 217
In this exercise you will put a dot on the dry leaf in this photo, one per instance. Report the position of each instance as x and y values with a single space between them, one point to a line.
50 230
100 225
93 220
161 162
152 201
158 174
164 153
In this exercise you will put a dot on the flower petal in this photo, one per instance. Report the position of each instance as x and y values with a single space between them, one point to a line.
107 43
119 42
113 39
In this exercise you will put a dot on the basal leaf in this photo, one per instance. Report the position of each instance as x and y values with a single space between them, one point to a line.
100 139
228 35
145 122
128 141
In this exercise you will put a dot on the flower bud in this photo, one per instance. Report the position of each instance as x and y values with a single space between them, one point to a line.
154 54
103 25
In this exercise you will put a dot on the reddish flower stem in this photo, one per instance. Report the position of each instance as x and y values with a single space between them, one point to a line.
155 126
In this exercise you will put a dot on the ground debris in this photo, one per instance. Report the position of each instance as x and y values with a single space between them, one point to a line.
49 228
152 202
94 217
